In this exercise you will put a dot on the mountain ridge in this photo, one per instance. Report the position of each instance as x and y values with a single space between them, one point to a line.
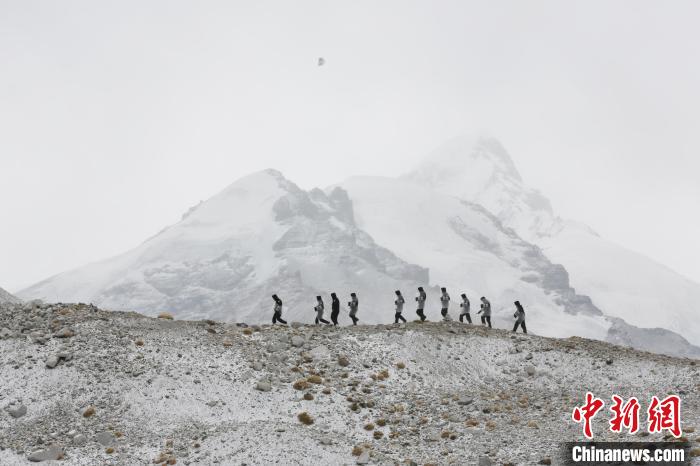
622 282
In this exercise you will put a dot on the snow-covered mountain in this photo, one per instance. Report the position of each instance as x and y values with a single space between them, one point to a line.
228 255
467 250
6 297
264 235
622 283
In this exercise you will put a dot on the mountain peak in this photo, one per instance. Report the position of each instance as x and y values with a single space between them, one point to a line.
463 155
479 169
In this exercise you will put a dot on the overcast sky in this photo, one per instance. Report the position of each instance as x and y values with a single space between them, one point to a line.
116 117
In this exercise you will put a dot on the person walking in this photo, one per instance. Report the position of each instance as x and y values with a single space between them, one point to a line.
519 317
353 304
444 303
399 307
277 316
420 299
319 311
485 311
335 308
465 309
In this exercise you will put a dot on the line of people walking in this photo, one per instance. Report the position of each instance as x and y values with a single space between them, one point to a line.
399 302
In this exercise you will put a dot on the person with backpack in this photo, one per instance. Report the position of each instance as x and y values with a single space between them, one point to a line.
335 308
465 305
420 299
519 317
353 304
445 303
277 316
399 307
485 311
319 311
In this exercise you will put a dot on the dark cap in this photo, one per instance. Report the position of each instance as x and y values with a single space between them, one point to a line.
318 297
420 288
443 289
397 291
353 294
464 295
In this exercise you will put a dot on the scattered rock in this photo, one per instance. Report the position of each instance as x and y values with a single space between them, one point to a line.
305 418
17 411
263 386
297 341
65 332
343 361
5 333
530 370
484 461
52 453
277 347
465 401
363 458
545 461
90 411
320 351
52 361
105 439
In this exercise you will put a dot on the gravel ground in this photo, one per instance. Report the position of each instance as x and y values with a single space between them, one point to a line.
126 389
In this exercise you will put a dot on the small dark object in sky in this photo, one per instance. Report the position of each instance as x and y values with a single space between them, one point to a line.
321 61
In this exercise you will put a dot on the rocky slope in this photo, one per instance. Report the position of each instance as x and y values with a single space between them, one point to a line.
622 283
96 387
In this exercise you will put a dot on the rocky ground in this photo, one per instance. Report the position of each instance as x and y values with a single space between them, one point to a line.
86 386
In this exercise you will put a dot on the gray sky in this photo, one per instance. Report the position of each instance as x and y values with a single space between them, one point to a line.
115 117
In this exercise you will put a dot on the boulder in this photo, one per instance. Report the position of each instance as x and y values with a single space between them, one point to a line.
65 332
263 386
320 352
363 458
17 411
52 361
52 453
298 341
106 439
